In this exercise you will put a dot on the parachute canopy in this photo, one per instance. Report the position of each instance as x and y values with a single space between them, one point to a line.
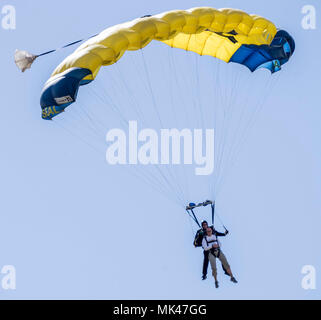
227 34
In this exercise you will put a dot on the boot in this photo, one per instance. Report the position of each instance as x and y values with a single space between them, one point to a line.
233 280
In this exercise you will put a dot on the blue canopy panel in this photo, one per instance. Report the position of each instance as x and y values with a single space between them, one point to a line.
270 57
61 91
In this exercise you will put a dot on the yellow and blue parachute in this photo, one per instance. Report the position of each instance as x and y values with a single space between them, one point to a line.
226 34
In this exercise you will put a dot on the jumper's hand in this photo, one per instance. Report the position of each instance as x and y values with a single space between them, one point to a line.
226 232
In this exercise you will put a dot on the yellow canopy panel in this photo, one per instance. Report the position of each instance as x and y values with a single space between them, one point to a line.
206 31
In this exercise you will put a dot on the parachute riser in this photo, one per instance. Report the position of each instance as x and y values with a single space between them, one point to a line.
191 213
190 210
213 212
193 216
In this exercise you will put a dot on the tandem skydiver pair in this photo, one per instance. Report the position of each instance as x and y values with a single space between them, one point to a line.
207 238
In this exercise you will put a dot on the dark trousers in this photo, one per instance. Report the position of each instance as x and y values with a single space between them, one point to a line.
205 263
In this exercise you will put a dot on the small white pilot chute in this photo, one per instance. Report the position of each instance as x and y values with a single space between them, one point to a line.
24 59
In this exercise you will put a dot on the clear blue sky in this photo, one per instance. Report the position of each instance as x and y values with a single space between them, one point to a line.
75 227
